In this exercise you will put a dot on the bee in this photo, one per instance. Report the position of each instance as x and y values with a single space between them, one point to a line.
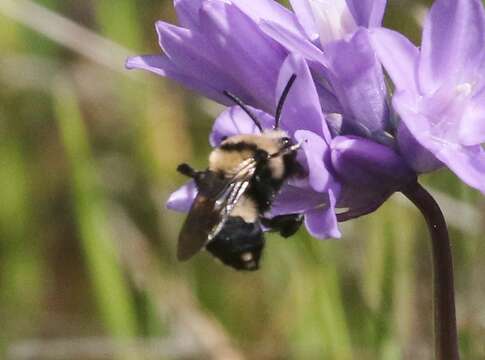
244 175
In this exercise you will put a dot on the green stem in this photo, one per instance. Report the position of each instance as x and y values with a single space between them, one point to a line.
446 339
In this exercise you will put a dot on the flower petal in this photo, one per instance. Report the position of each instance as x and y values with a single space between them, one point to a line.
418 157
359 85
468 162
304 13
293 42
302 109
181 200
333 19
269 10
369 165
359 203
294 199
163 66
322 222
367 13
193 55
235 121
452 47
188 12
328 100
315 149
472 127
254 67
215 56
398 56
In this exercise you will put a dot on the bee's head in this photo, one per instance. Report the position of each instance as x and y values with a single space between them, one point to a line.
276 142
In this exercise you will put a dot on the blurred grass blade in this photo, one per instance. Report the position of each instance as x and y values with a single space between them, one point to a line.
21 272
67 33
121 25
111 290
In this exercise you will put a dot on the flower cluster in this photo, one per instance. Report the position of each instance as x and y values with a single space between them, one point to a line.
360 142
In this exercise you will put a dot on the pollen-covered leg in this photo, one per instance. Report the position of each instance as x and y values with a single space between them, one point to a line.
286 225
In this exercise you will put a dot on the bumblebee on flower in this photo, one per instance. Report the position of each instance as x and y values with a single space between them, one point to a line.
313 110
355 142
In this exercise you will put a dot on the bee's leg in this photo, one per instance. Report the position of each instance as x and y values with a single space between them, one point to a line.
187 170
286 225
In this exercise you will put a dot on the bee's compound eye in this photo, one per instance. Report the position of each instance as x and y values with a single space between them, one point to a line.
285 141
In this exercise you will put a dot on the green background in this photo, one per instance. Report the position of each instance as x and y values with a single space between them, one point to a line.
88 153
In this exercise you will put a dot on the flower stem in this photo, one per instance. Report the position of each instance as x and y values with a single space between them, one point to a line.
446 340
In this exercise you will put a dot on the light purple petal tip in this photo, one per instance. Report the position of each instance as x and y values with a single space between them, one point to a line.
305 17
154 63
182 199
453 43
315 149
322 222
163 66
466 162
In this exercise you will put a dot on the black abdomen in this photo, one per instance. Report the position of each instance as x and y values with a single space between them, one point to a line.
239 244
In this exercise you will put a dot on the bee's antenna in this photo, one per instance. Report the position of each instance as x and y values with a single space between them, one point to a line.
281 101
244 107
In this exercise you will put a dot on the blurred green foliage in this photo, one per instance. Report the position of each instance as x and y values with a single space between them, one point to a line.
87 268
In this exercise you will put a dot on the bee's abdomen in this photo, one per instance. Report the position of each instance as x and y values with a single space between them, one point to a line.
239 244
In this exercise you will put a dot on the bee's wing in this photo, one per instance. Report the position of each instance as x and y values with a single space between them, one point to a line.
210 209
236 191
201 219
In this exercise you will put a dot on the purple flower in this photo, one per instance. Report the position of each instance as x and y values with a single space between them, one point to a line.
337 107
440 89
303 120
346 172
353 94
336 44
239 46
220 47
353 154
370 172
